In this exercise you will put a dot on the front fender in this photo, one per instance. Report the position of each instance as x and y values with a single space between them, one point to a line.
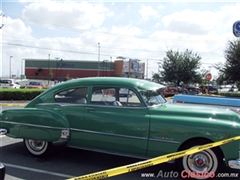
35 123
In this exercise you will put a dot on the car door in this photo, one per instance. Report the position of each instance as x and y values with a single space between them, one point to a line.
116 123
73 106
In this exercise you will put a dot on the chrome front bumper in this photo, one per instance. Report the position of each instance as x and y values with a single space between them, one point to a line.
235 164
3 131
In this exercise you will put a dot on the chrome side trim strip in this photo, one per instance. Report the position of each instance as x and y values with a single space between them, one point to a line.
126 136
109 134
164 140
33 125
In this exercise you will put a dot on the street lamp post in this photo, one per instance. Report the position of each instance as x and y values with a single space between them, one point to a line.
48 68
98 57
56 75
61 61
22 68
111 66
10 64
147 70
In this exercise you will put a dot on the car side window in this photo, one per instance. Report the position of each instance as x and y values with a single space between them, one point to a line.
6 81
76 96
103 96
129 98
114 96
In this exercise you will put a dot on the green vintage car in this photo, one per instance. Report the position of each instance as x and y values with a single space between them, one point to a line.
90 113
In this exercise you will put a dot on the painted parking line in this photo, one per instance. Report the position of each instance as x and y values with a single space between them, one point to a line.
12 104
36 170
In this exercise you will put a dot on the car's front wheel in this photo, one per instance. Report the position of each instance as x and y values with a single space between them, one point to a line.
201 165
37 148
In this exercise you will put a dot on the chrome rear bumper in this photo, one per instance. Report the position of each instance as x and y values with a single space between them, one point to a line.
3 131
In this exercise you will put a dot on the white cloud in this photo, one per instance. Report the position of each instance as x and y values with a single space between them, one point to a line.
147 11
16 28
201 22
118 29
75 15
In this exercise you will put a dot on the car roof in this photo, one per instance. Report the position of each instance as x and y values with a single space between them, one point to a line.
108 81
128 82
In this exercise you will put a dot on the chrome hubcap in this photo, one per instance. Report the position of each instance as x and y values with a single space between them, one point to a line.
200 162
36 145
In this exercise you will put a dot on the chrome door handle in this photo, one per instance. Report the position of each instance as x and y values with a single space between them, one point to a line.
89 109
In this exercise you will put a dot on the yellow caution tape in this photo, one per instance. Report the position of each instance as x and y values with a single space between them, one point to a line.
151 162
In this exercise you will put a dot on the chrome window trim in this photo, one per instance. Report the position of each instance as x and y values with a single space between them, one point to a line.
108 106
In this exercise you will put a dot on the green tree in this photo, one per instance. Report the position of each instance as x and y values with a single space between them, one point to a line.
229 71
38 71
68 77
181 67
156 78
51 74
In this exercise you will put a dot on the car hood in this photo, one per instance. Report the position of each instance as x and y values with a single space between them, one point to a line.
195 113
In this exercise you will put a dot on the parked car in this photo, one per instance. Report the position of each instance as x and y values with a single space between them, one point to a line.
170 91
207 100
9 83
145 125
191 90
34 85
211 89
228 88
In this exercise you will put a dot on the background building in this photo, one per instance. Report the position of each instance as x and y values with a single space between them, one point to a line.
129 68
67 69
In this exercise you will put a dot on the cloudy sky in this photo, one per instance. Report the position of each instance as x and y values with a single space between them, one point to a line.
71 30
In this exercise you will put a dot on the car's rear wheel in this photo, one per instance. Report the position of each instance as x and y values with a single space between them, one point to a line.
201 165
37 148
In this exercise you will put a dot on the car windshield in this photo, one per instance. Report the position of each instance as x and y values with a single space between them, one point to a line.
153 97
34 83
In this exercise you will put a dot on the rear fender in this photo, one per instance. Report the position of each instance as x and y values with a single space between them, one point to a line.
37 124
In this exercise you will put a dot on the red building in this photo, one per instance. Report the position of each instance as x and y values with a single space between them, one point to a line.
64 69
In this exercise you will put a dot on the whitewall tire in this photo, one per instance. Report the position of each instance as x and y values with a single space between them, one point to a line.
201 165
37 148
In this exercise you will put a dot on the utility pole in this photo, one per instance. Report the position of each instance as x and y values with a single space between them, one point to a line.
98 57
2 14
10 64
